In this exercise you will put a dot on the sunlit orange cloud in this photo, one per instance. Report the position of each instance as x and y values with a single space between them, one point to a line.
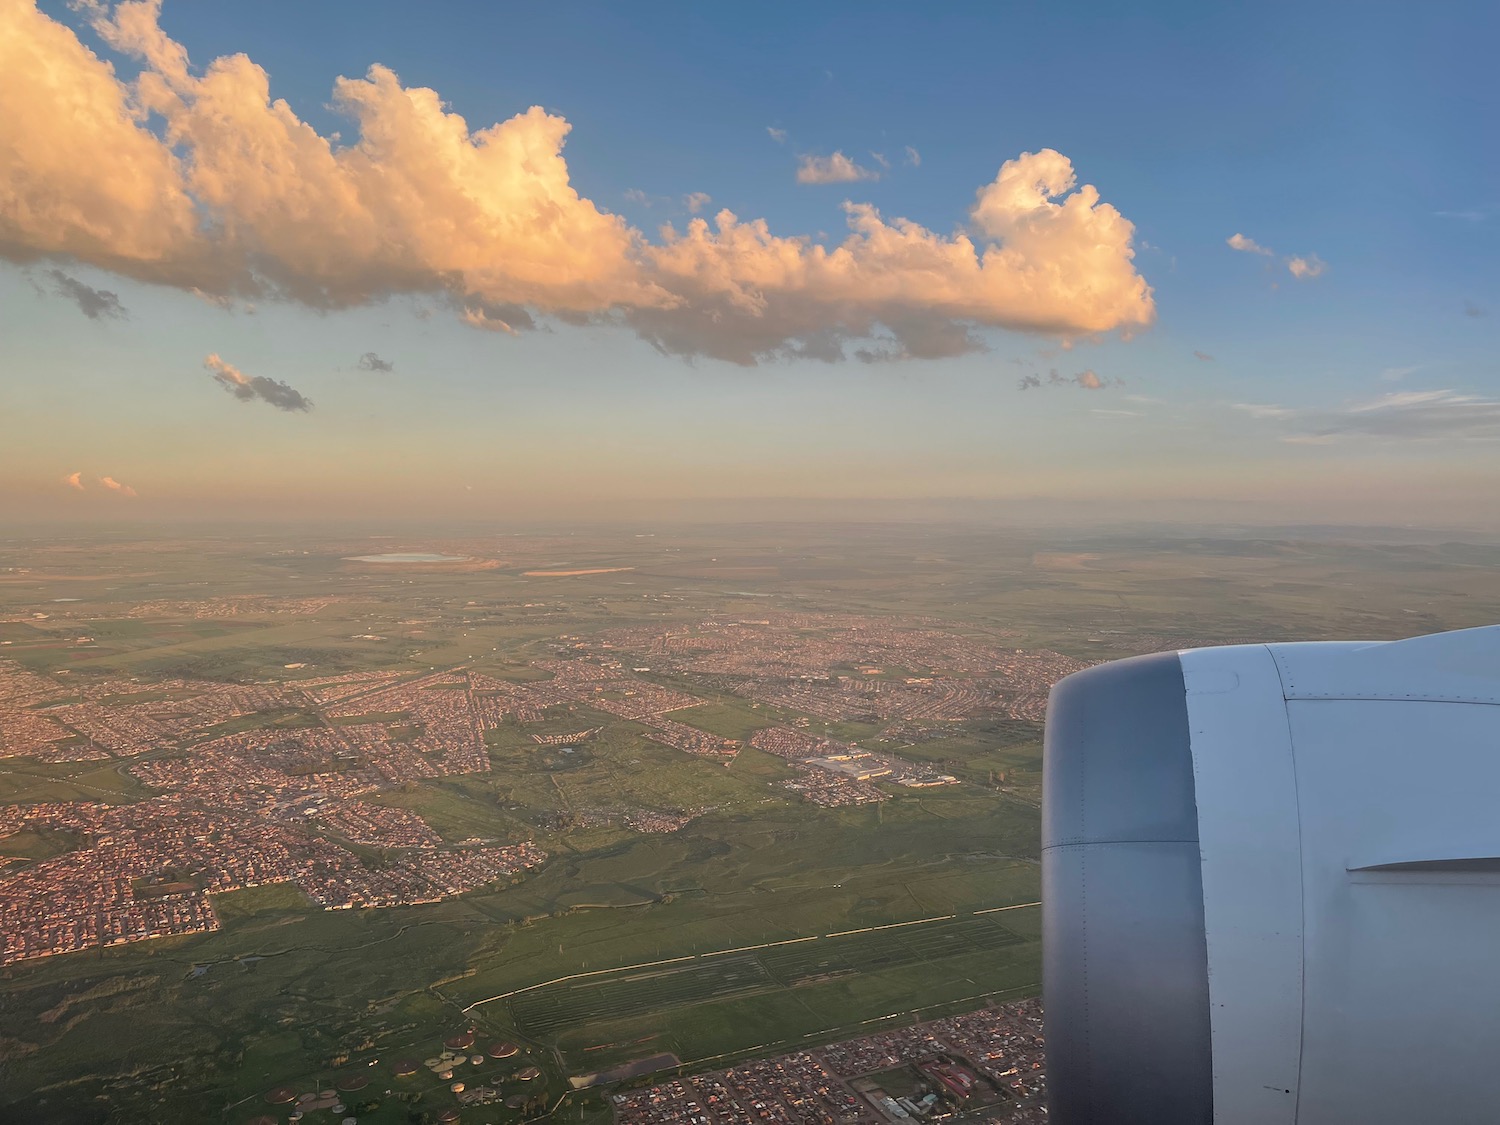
115 486
60 109
74 480
241 197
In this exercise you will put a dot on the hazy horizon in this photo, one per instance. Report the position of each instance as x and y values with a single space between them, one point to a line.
810 526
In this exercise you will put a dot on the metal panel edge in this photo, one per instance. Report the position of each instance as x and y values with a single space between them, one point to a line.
1458 667
1249 840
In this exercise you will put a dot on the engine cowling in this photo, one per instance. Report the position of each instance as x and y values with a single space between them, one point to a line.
1271 885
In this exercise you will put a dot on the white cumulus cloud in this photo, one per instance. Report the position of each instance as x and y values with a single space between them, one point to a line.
1305 269
835 168
1247 245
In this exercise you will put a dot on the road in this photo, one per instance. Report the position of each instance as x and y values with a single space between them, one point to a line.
739 949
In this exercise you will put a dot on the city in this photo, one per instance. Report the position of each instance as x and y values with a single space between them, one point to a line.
989 1056
270 805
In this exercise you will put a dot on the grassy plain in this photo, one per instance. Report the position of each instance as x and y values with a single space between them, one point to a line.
198 1028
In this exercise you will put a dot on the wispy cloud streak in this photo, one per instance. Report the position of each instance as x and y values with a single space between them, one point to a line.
1434 415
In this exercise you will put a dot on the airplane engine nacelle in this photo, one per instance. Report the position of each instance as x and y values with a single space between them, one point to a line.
1271 885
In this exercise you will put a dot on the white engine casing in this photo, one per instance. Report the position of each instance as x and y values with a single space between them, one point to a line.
1348 828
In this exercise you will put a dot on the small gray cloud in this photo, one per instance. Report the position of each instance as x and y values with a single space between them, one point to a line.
247 388
372 362
1088 380
695 201
913 157
777 135
1471 309
96 304
1468 215
1204 356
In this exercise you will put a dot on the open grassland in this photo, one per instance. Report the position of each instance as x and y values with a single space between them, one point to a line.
738 1027
543 1012
22 779
728 717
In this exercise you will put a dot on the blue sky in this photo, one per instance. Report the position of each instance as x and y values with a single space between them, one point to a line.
1358 136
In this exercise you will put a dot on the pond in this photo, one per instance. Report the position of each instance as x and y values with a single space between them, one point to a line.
413 557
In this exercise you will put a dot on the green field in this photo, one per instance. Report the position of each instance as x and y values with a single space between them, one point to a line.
543 1012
